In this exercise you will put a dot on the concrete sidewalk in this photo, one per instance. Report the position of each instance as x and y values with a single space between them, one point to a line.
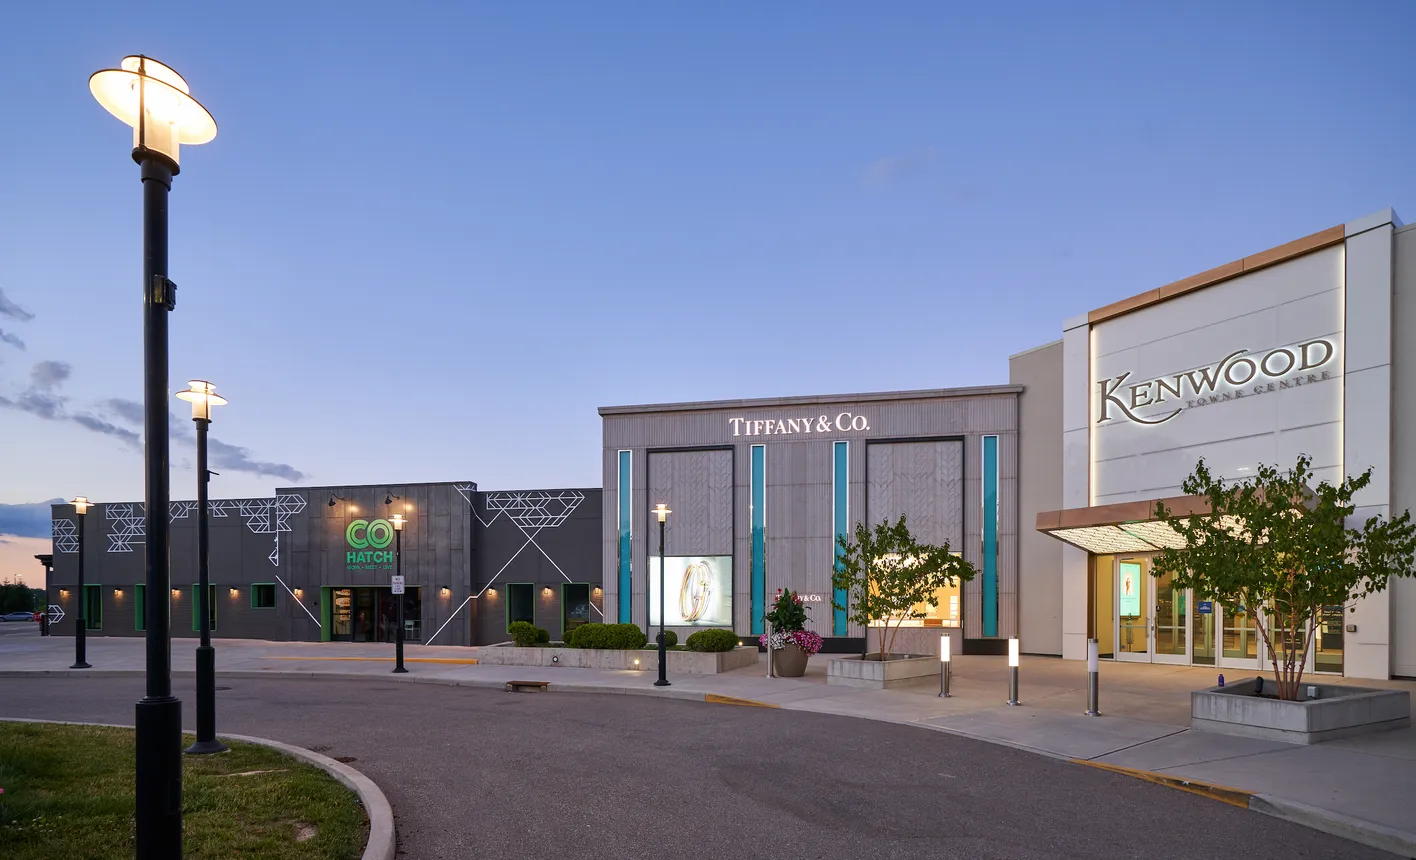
1360 788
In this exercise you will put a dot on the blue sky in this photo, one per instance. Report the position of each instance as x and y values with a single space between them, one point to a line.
429 240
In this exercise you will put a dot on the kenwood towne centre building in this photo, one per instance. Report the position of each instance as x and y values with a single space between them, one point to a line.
1046 484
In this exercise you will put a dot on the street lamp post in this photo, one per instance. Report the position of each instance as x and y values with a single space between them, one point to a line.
203 397
662 512
81 506
398 521
156 102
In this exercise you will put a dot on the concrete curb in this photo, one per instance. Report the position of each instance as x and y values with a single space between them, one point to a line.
382 838
1349 827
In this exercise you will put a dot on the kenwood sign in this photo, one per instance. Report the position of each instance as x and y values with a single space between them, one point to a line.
1240 374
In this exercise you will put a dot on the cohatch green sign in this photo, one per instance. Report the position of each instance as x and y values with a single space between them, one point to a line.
368 541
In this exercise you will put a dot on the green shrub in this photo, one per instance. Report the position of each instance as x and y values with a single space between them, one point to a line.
608 636
524 634
713 640
670 639
543 636
568 637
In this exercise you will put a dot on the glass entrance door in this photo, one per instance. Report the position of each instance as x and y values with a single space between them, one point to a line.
1239 645
1133 608
1171 628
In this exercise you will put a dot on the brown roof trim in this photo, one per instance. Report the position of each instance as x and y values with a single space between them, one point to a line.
1119 513
1253 262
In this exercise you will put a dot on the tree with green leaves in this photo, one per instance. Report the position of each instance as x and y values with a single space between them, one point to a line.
889 577
1282 549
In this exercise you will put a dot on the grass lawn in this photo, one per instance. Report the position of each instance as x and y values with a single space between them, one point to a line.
68 792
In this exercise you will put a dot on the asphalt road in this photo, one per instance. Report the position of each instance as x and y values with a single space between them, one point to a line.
484 774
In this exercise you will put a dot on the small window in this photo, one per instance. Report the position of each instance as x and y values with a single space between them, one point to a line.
93 607
140 607
520 602
263 595
210 603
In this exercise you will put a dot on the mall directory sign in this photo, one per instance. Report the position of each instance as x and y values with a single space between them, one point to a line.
1129 598
699 591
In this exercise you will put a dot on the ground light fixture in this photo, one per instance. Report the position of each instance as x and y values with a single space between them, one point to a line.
81 506
662 512
1013 671
944 665
157 103
1093 679
203 397
398 521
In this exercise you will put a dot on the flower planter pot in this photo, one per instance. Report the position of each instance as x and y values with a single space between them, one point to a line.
900 669
789 662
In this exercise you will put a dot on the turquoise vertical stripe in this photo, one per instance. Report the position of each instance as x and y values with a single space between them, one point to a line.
841 518
990 536
758 516
625 494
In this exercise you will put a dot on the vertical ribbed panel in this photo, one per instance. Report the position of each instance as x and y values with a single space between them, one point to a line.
990 535
798 526
624 533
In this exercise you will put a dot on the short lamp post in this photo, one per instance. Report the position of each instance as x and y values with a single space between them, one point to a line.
397 520
1093 674
944 665
81 506
662 512
1013 671
202 395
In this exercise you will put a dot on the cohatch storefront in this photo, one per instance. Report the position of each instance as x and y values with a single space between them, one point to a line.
1294 350
761 489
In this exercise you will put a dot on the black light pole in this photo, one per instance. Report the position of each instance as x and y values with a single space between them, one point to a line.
203 397
662 512
81 506
397 520
154 100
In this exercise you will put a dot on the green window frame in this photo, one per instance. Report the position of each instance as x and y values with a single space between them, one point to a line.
259 593
531 600
196 601
140 607
93 607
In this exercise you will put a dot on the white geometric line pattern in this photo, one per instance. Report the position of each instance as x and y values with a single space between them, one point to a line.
537 509
129 525
66 536
179 511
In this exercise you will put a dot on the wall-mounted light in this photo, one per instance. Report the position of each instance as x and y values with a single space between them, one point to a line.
176 592
63 592
491 592
299 593
445 591
546 592
597 589
117 592
233 592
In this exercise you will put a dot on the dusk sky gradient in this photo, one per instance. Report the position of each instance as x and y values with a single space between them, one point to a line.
429 240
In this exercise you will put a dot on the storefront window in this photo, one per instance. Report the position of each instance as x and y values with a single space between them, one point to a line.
575 604
93 607
943 611
1327 654
520 603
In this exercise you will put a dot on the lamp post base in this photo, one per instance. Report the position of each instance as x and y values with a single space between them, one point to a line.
399 670
661 683
159 778
206 704
81 666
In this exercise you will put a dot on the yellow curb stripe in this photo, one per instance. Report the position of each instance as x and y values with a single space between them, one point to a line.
1223 793
734 700
464 661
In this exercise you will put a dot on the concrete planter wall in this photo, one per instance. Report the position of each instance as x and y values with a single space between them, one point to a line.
899 669
1337 712
680 662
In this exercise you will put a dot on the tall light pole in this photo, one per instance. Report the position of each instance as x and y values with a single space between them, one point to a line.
202 395
398 521
156 102
81 506
662 512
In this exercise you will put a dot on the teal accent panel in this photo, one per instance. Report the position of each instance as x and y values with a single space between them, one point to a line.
990 536
840 514
758 516
624 493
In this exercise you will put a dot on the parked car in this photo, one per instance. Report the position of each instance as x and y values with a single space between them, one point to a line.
18 616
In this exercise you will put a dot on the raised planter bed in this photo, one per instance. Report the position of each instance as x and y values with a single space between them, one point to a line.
1337 712
680 662
900 669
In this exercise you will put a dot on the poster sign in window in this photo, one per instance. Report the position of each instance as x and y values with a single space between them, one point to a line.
1129 596
1204 607
699 591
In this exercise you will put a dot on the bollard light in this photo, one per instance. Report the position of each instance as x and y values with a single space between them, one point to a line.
944 666
1013 671
1093 685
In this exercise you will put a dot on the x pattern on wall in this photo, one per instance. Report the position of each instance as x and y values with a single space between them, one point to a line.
127 525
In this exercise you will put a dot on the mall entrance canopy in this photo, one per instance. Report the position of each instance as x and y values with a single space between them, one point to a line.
1125 527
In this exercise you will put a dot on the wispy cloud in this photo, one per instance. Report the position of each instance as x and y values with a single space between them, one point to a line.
98 425
12 310
888 171
223 455
11 339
